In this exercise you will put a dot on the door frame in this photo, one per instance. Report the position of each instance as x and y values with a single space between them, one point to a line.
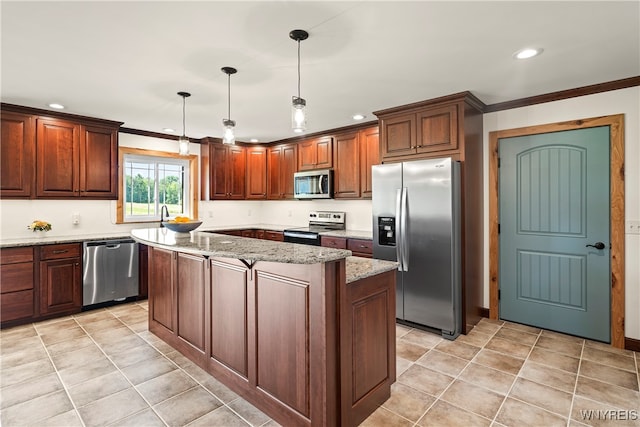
616 194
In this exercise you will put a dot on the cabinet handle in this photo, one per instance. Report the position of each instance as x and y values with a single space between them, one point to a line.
363 246
60 251
77 264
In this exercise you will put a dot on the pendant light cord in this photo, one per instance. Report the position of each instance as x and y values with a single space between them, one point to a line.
183 116
298 68
228 96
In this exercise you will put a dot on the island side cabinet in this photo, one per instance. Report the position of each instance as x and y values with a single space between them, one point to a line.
295 340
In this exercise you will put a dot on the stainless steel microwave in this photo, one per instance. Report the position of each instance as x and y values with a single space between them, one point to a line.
316 184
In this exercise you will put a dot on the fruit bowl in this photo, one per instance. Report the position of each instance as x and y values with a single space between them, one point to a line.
182 227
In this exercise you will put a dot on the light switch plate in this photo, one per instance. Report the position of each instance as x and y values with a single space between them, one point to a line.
633 227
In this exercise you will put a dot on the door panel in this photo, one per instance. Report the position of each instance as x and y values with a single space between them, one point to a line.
554 201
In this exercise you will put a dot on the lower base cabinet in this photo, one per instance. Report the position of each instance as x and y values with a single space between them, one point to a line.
294 340
17 297
60 279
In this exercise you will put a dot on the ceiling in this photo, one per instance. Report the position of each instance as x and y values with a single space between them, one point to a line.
125 61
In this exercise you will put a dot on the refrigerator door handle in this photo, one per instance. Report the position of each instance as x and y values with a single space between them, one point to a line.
399 235
405 237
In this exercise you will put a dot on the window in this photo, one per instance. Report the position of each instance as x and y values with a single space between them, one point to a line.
149 180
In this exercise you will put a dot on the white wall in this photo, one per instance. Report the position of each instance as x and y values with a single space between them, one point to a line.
625 101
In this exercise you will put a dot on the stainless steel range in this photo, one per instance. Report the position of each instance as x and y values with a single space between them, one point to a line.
319 221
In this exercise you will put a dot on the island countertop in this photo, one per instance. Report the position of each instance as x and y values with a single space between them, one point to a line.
219 245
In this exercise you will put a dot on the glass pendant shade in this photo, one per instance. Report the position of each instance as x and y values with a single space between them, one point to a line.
228 136
183 146
298 114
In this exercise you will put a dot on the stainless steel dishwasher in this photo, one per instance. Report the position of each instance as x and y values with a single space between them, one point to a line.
110 271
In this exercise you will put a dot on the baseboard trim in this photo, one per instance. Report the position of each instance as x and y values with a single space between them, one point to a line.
632 344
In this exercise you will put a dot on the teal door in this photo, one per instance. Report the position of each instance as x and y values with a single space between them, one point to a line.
554 231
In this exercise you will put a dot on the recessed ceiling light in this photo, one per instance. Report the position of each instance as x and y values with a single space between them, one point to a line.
56 106
358 116
527 53
254 140
168 130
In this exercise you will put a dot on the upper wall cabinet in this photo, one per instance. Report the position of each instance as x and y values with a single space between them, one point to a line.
17 155
282 163
354 153
53 155
223 171
315 153
256 172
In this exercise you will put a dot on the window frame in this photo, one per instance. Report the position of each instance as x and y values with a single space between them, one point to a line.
193 181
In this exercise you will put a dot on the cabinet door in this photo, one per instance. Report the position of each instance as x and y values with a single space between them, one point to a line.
57 158
236 173
60 286
437 129
161 289
346 159
17 154
307 155
369 156
398 136
333 242
324 153
288 166
274 163
190 293
219 158
99 162
256 173
276 236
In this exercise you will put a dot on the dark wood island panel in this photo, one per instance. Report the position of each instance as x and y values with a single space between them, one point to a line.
295 340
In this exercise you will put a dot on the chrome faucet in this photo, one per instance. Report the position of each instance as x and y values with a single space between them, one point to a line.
163 209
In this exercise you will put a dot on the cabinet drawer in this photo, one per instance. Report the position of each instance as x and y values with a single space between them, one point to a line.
333 242
60 251
17 277
16 255
360 245
16 305
274 235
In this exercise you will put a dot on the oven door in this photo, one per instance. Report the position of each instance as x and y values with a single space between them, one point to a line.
303 237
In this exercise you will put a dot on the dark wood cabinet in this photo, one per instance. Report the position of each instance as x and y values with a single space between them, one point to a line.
277 236
190 293
226 166
282 163
256 172
161 287
360 247
60 279
143 271
248 233
369 156
315 153
55 155
450 126
57 158
346 162
17 155
333 242
17 297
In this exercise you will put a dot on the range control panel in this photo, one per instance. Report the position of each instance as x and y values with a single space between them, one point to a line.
326 217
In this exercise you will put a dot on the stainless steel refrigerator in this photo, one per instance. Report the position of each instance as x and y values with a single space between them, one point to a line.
416 222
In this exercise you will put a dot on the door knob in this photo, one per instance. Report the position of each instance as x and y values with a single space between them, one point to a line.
597 245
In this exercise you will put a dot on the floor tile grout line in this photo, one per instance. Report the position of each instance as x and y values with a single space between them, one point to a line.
575 386
121 373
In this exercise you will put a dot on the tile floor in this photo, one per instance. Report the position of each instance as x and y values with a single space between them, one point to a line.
104 368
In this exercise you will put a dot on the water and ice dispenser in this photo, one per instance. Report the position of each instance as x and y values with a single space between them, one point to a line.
386 231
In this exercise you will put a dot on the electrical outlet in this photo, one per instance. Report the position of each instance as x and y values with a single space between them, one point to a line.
289 213
249 212
75 218
633 227
210 214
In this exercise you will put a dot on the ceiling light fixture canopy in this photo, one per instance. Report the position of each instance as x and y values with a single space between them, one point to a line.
228 136
183 141
298 104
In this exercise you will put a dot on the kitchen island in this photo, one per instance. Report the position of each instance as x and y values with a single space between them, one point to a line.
304 333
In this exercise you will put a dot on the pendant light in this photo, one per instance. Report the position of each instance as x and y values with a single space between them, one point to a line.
183 141
228 137
298 104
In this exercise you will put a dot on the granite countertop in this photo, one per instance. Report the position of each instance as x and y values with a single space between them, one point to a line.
46 240
220 245
358 268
